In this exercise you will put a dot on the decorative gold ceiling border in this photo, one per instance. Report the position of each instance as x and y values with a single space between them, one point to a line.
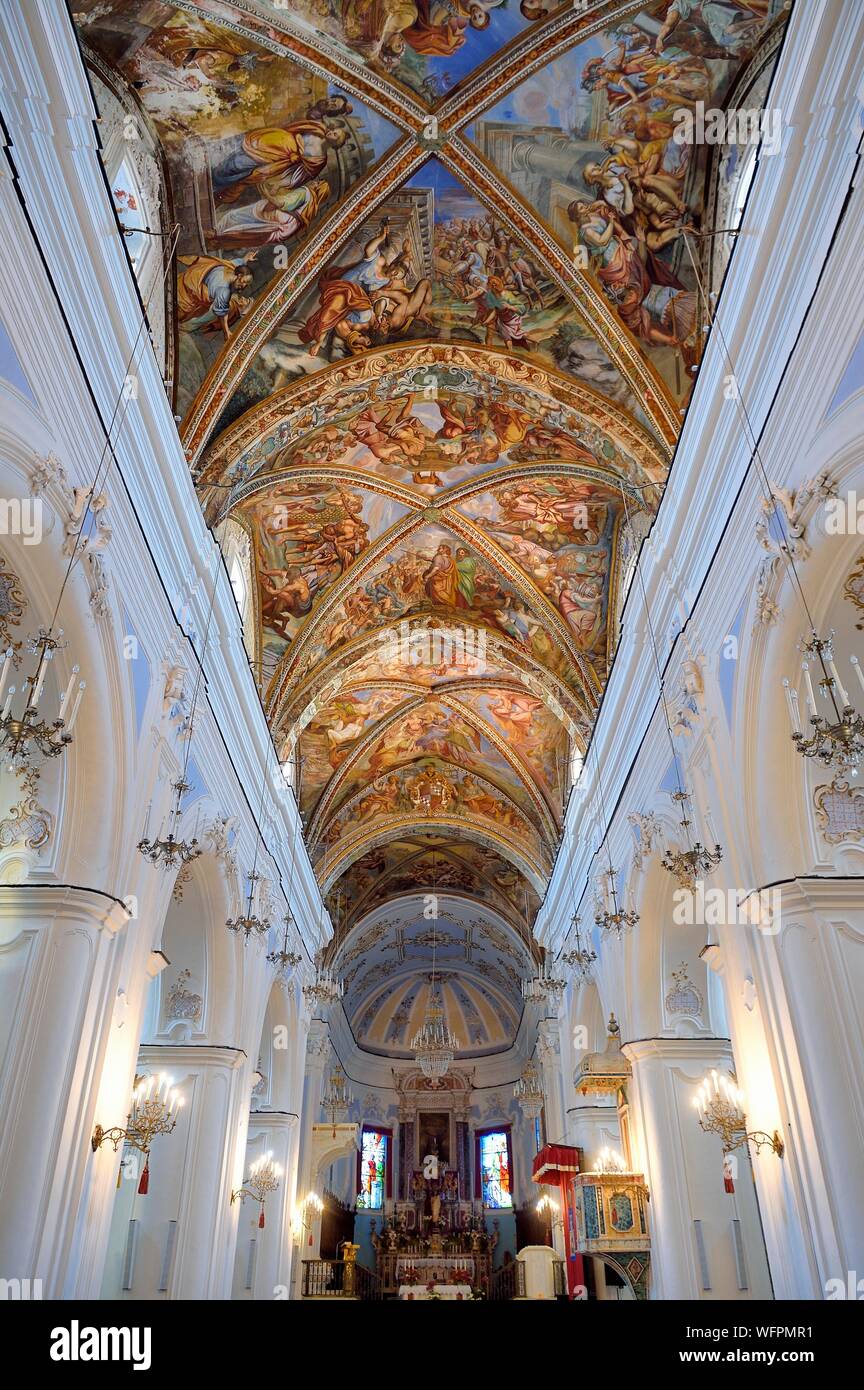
470 831
329 473
457 684
283 291
537 378
583 291
391 98
396 535
316 848
322 683
358 913
327 801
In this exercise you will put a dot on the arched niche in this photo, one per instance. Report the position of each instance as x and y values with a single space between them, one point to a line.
196 997
277 1052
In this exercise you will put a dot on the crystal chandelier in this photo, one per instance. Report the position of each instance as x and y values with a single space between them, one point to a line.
837 738
168 851
543 986
619 920
284 960
25 739
433 1045
250 924
691 864
337 1097
528 1091
582 958
325 989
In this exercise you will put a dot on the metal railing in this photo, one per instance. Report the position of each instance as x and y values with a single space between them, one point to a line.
507 1282
336 1279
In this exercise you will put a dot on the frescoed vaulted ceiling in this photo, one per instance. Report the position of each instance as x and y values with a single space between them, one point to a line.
439 309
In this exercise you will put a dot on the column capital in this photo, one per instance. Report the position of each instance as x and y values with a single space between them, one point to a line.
62 900
192 1055
273 1119
677 1049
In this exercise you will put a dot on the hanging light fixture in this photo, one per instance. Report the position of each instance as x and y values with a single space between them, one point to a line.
691 864
26 740
581 959
326 988
250 924
284 960
433 1045
619 920
528 1091
837 737
544 986
337 1098
168 851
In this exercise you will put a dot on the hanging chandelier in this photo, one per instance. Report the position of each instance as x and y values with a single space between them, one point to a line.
250 924
433 1045
581 959
528 1091
284 960
836 738
325 989
337 1098
168 851
543 986
619 920
26 740
691 864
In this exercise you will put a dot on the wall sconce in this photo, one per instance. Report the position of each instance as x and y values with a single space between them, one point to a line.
720 1106
263 1178
311 1202
549 1210
155 1104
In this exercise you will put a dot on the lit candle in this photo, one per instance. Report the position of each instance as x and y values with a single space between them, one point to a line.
8 661
859 673
8 704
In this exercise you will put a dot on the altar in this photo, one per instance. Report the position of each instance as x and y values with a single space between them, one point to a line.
434 1268
421 1292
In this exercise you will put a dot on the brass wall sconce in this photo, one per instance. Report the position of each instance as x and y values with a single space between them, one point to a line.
155 1105
263 1179
720 1106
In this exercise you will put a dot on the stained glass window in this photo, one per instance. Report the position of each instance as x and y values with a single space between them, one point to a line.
374 1155
494 1160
